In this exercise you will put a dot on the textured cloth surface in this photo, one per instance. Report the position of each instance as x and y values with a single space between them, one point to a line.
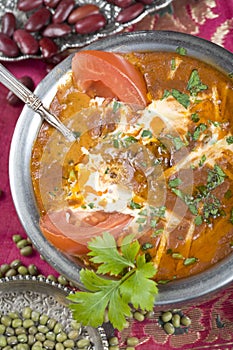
212 321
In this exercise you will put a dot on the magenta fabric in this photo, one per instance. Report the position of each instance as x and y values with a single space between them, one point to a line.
209 19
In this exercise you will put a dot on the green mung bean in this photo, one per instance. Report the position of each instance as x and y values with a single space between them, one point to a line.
43 319
169 328
138 316
35 315
22 243
132 341
62 280
26 251
82 343
32 269
22 338
32 330
16 238
12 340
185 321
69 343
27 323
26 313
20 330
42 328
3 341
10 273
22 270
114 347
166 316
73 334
51 323
40 336
9 331
50 335
59 346
17 322
13 315
176 320
4 268
113 341
51 278
49 344
2 328
61 337
15 263
6 320
57 328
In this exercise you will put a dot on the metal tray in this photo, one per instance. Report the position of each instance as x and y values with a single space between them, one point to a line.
46 297
74 41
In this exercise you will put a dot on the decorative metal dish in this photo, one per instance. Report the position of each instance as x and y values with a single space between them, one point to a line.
73 40
45 297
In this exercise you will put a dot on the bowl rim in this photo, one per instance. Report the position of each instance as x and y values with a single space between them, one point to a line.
184 290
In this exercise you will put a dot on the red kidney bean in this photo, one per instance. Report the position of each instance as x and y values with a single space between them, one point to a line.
121 3
48 47
129 13
8 23
28 5
56 30
82 11
63 10
38 20
51 3
26 42
90 24
7 46
12 99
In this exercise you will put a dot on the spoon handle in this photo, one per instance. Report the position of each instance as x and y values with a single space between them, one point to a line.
30 99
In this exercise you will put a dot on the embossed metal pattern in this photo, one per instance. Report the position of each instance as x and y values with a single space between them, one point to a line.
48 298
75 41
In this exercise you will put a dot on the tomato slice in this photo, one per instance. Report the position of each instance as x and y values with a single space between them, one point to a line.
70 231
108 74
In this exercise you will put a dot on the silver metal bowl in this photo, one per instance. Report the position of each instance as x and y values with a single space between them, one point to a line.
184 290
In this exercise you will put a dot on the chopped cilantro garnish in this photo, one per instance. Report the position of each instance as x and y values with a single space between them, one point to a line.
147 245
116 143
173 64
175 182
134 205
229 140
198 131
177 256
166 94
157 232
181 50
91 205
202 160
153 223
195 117
182 98
190 261
141 220
147 133
194 84
198 220
116 106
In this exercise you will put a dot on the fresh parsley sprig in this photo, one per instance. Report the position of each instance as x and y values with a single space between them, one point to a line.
134 287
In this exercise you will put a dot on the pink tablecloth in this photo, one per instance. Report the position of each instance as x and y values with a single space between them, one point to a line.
209 19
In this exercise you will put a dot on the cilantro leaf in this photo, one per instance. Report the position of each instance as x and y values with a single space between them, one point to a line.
183 99
181 50
115 296
104 251
194 84
142 298
229 140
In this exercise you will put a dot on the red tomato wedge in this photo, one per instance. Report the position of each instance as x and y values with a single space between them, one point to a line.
71 231
108 74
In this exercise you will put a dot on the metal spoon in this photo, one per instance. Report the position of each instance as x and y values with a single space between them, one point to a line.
29 98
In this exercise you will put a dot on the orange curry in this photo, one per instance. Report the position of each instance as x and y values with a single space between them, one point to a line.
153 157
